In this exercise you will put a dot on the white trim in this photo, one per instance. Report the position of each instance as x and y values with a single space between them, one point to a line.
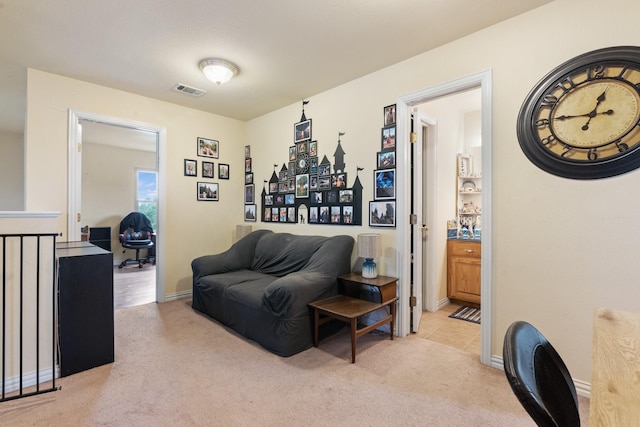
403 104
25 214
161 132
582 388
179 295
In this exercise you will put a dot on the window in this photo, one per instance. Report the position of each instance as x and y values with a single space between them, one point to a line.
147 194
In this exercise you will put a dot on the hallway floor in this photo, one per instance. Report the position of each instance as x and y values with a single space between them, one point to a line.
439 327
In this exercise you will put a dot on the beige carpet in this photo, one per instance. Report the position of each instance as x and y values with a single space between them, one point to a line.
175 367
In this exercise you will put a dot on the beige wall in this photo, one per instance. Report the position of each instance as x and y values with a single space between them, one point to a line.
11 171
561 247
207 226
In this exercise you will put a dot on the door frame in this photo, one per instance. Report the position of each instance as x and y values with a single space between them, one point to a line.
483 80
74 180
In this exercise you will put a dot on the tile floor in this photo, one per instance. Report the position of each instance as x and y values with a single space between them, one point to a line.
460 334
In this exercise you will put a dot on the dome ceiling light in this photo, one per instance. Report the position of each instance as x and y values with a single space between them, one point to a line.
218 70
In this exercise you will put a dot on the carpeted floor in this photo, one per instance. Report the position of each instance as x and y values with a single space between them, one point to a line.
175 367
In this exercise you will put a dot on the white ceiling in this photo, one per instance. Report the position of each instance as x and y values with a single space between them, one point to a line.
287 50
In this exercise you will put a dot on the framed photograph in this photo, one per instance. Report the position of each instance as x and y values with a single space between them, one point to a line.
292 153
283 187
248 178
324 183
282 175
207 169
382 214
316 197
291 185
386 159
292 169
191 168
302 147
390 115
313 161
249 212
208 191
313 214
384 184
249 190
280 199
267 214
302 186
332 197
336 217
324 214
291 214
313 148
339 180
247 151
289 199
208 148
274 215
346 196
324 170
313 182
223 171
273 187
283 215
388 138
268 200
247 165
347 214
302 131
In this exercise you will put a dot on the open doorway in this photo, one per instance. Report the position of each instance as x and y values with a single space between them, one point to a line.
113 141
405 107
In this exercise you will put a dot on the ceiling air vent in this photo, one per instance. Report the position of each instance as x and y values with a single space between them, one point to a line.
189 90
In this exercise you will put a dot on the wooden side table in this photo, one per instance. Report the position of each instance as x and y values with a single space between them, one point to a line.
349 308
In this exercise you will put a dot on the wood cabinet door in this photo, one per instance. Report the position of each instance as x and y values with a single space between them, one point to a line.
464 271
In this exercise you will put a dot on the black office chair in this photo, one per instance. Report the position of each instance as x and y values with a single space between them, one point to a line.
539 378
136 233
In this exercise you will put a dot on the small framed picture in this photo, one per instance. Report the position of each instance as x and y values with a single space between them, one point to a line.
386 159
208 191
313 148
382 214
302 147
207 169
324 183
390 115
247 165
388 138
274 214
273 187
292 153
283 187
191 167
339 180
316 197
313 161
249 190
208 148
302 131
324 214
336 217
292 169
249 212
313 214
346 196
247 151
313 182
291 214
223 171
268 200
384 184
288 199
248 178
302 186
324 170
283 215
267 214
347 214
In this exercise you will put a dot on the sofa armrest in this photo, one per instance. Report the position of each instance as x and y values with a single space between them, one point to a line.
288 296
237 257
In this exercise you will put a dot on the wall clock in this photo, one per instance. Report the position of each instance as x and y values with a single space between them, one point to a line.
581 120
302 163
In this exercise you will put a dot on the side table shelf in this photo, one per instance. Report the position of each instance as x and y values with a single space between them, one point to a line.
348 309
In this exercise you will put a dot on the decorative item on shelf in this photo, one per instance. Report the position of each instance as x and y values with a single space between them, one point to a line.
243 230
369 247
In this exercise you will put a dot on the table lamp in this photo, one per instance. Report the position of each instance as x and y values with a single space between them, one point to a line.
242 230
369 247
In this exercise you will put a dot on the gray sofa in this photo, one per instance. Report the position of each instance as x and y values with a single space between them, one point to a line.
260 287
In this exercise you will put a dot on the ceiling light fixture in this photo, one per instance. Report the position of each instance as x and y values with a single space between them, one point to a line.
218 70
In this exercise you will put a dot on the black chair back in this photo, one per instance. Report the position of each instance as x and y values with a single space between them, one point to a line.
539 378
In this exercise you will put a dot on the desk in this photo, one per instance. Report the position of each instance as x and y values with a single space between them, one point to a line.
615 376
348 309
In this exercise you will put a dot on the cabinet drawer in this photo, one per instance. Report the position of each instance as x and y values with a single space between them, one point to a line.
465 249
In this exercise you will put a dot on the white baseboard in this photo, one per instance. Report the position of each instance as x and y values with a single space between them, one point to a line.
178 295
29 380
582 388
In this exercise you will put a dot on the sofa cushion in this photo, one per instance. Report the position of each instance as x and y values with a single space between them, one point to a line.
283 253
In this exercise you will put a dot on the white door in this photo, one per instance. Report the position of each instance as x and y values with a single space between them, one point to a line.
418 226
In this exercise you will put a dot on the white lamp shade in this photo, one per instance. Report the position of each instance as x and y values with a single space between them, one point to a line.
369 245
218 70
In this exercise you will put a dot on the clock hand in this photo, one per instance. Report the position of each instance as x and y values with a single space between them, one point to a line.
593 112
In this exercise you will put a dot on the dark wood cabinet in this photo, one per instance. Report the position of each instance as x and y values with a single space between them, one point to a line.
85 306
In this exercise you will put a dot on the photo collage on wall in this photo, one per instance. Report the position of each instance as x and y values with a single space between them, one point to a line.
206 191
382 210
249 188
306 190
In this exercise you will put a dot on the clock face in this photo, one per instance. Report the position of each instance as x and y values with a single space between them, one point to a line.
302 163
583 119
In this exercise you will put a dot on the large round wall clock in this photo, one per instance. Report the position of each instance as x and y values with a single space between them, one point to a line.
582 120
